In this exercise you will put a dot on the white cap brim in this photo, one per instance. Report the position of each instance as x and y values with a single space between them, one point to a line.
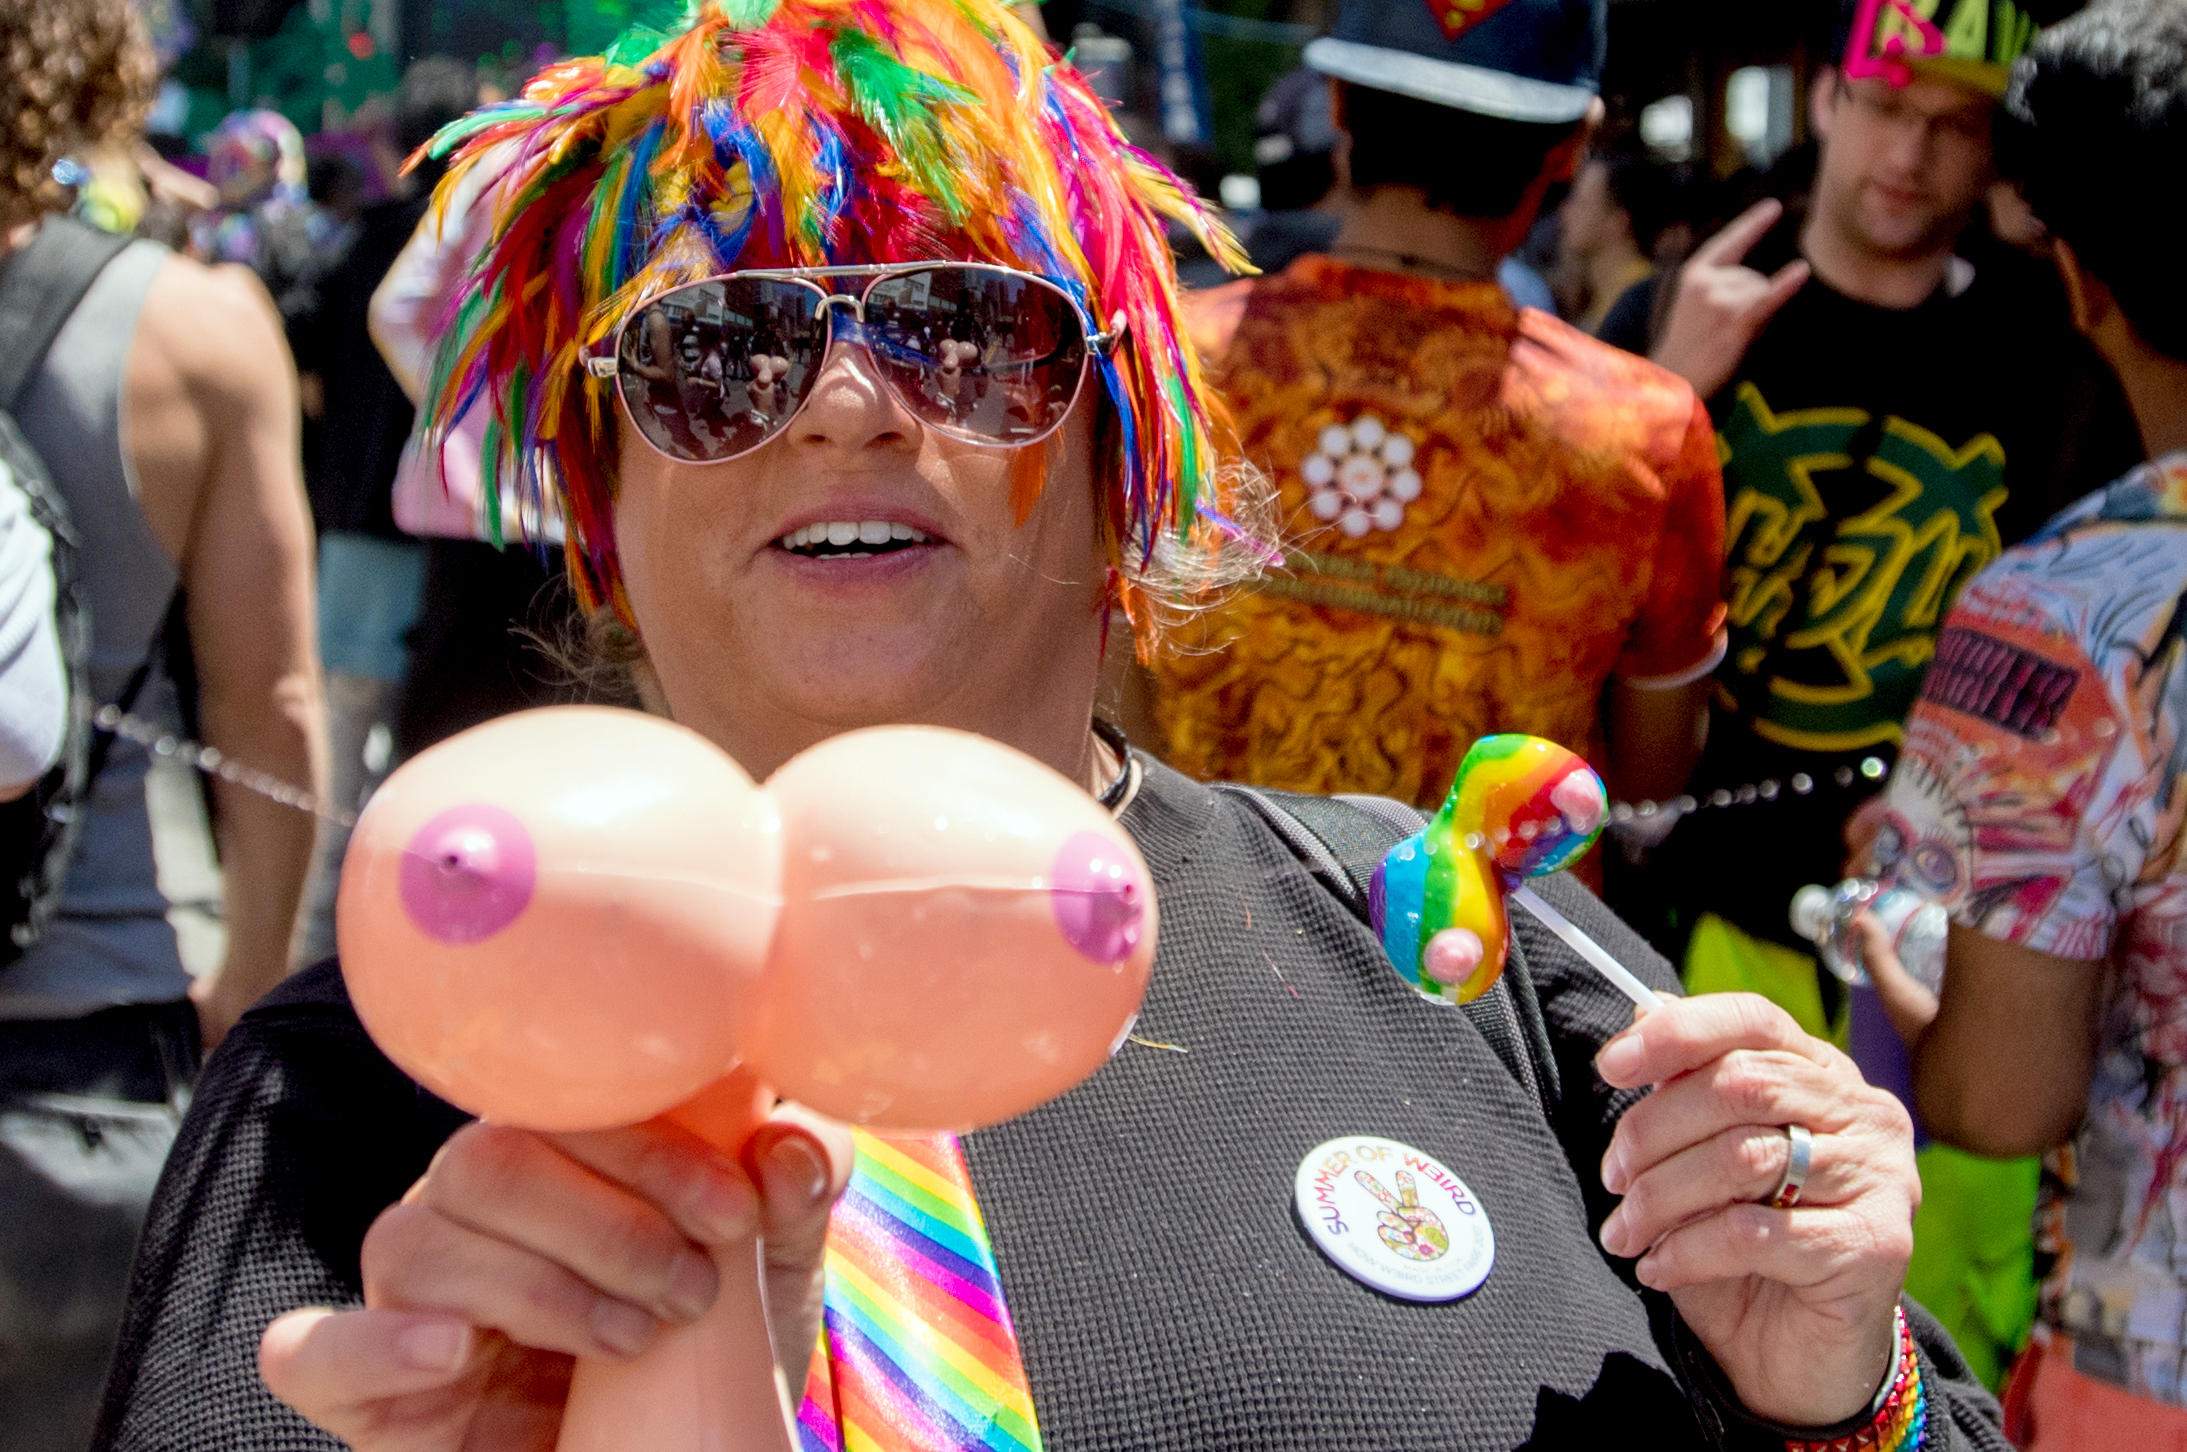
1449 83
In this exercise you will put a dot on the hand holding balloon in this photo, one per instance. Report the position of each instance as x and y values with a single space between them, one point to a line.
1520 807
574 919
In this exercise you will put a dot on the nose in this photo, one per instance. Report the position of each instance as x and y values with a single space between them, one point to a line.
850 409
1910 146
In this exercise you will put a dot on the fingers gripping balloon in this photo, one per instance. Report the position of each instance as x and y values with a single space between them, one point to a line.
1520 807
579 918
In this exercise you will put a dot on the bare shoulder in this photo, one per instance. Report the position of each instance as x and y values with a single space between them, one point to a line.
209 384
215 332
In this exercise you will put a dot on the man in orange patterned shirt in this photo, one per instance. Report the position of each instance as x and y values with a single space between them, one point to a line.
1498 523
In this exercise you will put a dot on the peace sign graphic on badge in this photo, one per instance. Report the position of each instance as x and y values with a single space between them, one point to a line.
1394 1218
1406 1226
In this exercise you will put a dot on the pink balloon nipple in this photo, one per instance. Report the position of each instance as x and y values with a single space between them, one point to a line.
1452 955
1099 904
1578 798
468 873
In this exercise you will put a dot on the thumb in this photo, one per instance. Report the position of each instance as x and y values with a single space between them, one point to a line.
1783 287
1876 947
801 1161
1906 1000
1729 246
334 1365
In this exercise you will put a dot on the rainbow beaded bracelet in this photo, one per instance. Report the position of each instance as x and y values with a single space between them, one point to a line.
1900 1418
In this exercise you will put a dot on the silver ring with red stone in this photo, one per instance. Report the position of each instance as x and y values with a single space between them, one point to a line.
1787 1193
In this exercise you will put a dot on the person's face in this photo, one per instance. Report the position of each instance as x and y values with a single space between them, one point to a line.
978 623
251 178
1901 167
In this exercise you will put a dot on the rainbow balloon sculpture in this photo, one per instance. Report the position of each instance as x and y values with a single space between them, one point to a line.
579 918
1520 807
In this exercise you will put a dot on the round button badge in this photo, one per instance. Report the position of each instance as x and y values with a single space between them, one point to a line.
1395 1219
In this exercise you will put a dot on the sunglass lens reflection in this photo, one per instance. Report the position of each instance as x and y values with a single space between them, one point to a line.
714 370
981 354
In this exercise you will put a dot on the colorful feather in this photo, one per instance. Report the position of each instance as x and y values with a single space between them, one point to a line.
765 133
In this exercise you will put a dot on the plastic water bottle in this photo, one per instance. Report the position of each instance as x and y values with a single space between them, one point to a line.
1917 927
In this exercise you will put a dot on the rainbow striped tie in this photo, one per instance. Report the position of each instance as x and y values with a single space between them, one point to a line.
916 1352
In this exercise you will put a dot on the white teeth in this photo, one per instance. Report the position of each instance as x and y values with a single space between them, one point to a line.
843 533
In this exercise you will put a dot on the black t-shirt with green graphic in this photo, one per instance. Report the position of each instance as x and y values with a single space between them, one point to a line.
1874 461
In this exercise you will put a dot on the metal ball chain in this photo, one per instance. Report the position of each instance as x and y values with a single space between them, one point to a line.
1872 768
214 762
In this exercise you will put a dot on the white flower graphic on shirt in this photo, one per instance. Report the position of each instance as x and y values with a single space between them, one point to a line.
1360 476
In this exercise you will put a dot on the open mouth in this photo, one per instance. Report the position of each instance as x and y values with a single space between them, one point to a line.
852 540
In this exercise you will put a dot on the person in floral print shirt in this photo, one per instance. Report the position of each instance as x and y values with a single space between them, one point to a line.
1496 522
2042 790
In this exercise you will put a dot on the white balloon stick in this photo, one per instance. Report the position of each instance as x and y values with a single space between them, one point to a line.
1619 975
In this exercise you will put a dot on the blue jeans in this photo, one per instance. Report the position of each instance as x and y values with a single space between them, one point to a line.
368 600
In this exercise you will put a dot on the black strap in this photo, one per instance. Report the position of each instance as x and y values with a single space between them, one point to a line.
102 740
39 290
1342 840
40 287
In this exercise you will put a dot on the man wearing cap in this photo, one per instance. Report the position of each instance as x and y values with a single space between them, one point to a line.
1893 409
1496 517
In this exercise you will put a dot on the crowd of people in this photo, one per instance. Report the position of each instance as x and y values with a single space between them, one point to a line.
824 365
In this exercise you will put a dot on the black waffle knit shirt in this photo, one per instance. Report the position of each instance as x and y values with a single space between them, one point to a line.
1163 1291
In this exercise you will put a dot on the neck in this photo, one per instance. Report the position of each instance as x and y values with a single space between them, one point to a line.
1070 747
1052 723
1390 224
1885 282
2156 389
2155 384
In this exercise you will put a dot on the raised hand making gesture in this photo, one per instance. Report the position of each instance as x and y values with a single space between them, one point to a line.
1722 304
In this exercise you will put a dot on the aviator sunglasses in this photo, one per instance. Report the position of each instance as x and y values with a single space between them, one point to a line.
986 354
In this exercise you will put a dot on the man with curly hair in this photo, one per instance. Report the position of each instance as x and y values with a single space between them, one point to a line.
166 412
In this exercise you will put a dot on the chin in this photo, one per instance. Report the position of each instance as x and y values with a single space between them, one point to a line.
856 710
1903 238
845 689
1901 232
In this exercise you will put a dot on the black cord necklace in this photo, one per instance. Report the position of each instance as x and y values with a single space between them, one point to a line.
1112 796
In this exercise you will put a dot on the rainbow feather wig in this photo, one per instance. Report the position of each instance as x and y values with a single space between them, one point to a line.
773 133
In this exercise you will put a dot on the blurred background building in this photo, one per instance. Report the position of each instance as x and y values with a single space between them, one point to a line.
1713 82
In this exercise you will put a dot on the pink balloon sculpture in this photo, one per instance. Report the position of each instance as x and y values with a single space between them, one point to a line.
577 918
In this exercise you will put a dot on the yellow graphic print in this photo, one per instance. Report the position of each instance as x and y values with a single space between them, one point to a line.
1834 602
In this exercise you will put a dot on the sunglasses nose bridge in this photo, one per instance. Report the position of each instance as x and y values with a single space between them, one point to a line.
829 300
